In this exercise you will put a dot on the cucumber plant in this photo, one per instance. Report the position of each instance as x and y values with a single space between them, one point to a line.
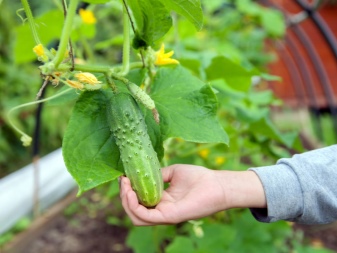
187 105
149 88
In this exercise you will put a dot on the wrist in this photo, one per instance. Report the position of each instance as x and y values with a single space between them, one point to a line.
242 189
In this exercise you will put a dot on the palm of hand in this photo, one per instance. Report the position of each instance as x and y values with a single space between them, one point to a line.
188 193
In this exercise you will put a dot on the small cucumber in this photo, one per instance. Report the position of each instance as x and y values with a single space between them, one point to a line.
139 159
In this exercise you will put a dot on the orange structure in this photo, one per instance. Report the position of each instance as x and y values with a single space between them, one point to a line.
308 55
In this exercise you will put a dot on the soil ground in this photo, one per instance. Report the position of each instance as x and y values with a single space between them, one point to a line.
321 236
84 235
94 224
96 235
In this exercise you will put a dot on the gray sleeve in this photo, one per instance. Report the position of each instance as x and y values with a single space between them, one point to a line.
302 189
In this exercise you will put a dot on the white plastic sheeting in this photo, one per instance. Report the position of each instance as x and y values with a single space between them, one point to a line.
17 189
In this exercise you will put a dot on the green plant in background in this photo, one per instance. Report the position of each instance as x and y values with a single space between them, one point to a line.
110 46
19 83
20 226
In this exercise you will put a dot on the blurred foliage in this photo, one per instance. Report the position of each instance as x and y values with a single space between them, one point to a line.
20 226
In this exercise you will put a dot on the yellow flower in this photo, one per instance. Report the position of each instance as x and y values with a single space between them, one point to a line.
87 16
164 58
219 160
204 153
75 84
87 77
40 52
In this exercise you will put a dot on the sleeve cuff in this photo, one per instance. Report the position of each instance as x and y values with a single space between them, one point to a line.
283 194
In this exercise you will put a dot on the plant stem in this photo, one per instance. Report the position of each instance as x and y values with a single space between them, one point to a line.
110 82
66 32
71 53
85 68
31 22
98 69
28 104
126 42
129 16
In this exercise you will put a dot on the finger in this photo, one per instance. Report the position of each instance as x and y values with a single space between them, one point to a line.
124 188
134 208
168 172
124 185
139 215
130 202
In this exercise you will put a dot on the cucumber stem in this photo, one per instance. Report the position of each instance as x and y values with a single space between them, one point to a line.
126 42
31 22
97 68
66 33
138 94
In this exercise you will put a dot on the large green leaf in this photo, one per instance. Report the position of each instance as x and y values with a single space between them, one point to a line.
89 149
187 107
152 21
190 9
96 1
235 75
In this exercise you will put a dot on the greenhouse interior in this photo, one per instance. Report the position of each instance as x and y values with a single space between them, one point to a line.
168 126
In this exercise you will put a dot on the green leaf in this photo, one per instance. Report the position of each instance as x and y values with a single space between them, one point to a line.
190 9
140 239
181 244
152 21
89 149
265 127
248 7
217 237
154 132
96 1
187 107
137 76
235 75
70 96
115 41
269 77
249 115
149 239
85 30
273 22
48 26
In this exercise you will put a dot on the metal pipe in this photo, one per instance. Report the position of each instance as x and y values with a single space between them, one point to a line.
309 86
321 72
322 26
315 59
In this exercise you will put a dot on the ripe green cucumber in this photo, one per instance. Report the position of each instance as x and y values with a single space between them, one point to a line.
139 159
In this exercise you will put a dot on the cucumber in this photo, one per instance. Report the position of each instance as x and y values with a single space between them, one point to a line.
139 159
